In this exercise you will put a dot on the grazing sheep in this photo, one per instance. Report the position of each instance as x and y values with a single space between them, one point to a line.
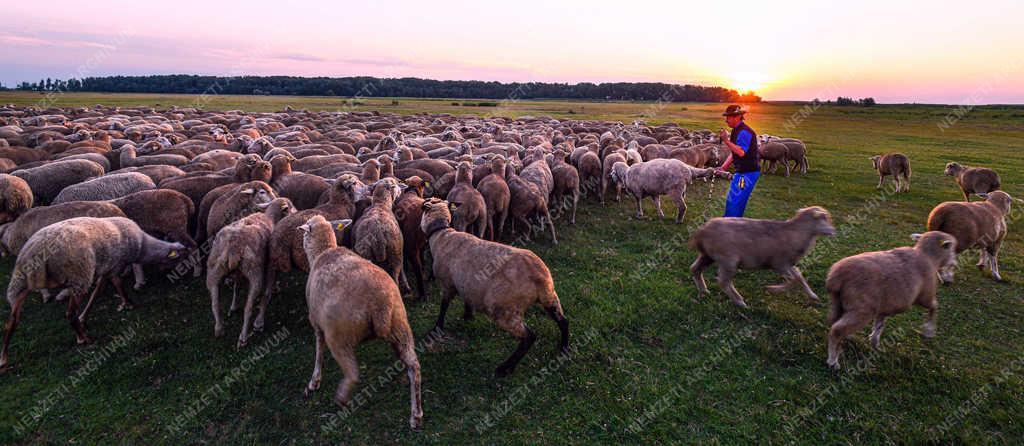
376 235
497 196
235 205
796 153
106 187
15 197
240 250
980 225
895 164
497 280
973 180
659 177
747 243
76 254
876 285
373 308
471 208
538 173
771 154
48 180
13 235
566 182
408 210
606 175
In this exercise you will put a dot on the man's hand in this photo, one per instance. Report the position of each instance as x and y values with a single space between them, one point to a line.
723 135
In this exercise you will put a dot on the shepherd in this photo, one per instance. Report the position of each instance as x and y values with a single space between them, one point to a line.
742 144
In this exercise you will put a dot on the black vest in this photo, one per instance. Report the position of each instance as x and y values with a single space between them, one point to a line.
748 162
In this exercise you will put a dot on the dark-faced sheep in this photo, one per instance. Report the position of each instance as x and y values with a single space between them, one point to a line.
75 255
875 285
979 225
497 280
895 164
373 308
747 243
973 180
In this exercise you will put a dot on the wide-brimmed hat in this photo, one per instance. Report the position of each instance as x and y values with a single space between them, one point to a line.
734 110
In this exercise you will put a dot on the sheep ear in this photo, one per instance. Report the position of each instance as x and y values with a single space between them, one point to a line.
915 237
946 243
263 205
248 191
403 186
304 228
453 206
426 183
341 224
983 195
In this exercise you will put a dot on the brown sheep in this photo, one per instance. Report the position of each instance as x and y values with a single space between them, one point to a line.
973 180
376 235
497 196
589 168
606 175
250 168
980 225
303 189
566 182
796 152
527 200
471 208
895 164
240 250
15 197
15 234
747 243
338 279
876 285
408 209
235 205
497 280
161 213
771 154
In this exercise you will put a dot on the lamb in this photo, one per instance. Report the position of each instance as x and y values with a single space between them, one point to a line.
376 235
772 153
498 280
15 197
240 250
660 177
758 244
75 254
980 225
48 180
128 158
106 187
471 208
973 180
497 196
303 189
238 204
566 182
606 175
876 285
895 164
14 235
373 309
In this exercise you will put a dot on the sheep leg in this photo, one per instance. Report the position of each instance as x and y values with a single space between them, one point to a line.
346 359
255 285
406 353
906 182
467 311
928 329
680 202
501 224
12 323
269 282
526 339
314 381
639 207
993 262
95 292
725 275
234 297
881 178
657 205
416 266
72 315
575 201
899 186
556 314
795 273
848 324
604 189
697 269
213 277
551 223
446 299
982 260
126 302
876 331
140 276
618 193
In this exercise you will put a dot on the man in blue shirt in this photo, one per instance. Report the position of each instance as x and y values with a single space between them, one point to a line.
742 144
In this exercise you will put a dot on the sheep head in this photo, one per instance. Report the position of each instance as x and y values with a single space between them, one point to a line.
876 161
436 216
1001 200
941 248
257 192
815 219
953 169
416 185
277 208
387 190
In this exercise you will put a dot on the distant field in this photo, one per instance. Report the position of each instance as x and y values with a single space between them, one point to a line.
653 365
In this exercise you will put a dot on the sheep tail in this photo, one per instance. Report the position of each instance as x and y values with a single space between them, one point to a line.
908 171
836 311
15 287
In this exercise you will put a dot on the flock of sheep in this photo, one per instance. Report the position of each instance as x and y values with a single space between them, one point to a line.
356 199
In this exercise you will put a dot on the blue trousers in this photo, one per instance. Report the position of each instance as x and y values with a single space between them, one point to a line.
739 193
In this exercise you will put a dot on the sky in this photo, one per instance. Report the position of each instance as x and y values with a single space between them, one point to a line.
937 51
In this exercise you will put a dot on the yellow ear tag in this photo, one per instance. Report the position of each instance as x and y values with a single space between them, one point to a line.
172 254
427 184
341 226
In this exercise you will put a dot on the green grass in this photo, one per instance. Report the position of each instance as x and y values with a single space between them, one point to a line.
646 349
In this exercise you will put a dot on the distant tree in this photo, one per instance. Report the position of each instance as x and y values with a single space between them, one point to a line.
41 85
867 102
845 101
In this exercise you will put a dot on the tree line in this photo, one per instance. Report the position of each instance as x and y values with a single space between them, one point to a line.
392 87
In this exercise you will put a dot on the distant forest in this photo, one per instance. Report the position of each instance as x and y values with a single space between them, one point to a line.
401 87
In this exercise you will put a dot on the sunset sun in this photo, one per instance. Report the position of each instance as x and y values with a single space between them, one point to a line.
747 81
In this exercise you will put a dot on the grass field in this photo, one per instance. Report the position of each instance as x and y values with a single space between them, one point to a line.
652 364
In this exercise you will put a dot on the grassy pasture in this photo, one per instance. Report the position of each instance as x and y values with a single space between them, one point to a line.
652 364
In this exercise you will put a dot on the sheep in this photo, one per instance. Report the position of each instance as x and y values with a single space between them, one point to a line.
240 250
248 169
128 158
876 285
895 164
606 175
494 189
76 254
980 225
796 153
156 172
660 177
590 171
237 204
48 180
497 280
376 235
161 213
303 189
973 180
106 187
472 209
14 235
566 182
758 244
408 209
339 278
527 199
772 153
15 197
